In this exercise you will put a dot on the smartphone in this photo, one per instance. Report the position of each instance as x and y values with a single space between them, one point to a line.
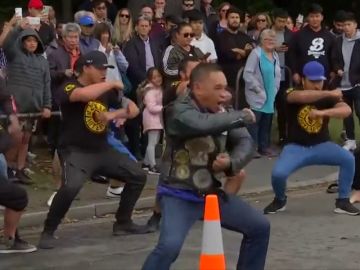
46 10
33 20
18 13
206 56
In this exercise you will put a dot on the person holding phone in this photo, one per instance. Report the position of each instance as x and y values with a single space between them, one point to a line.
201 40
45 31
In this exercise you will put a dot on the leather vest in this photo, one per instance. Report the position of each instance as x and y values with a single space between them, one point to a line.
187 164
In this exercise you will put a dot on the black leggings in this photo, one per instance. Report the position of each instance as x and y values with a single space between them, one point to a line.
356 182
12 196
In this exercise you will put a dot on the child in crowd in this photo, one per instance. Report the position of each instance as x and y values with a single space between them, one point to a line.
152 116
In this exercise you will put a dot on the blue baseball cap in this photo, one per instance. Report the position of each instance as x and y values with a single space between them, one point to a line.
86 21
314 71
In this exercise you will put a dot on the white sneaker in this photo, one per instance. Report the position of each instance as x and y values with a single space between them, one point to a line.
114 192
350 145
50 200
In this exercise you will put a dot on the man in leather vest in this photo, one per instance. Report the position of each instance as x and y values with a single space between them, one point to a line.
205 144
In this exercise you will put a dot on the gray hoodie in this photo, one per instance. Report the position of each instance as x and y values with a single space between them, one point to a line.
347 50
28 73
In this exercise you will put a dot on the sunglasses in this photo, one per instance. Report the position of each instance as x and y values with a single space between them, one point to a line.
261 20
187 35
124 16
224 10
188 5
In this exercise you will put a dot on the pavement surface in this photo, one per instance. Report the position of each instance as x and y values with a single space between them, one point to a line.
92 201
307 236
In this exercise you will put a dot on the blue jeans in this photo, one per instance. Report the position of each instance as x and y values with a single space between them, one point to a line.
261 130
119 146
3 167
294 157
179 215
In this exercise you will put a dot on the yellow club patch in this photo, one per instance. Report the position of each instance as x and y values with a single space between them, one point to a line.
69 87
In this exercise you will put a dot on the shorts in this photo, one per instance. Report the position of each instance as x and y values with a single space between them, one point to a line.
12 196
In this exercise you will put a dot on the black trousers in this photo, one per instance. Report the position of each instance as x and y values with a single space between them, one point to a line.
356 182
12 196
352 98
280 104
78 166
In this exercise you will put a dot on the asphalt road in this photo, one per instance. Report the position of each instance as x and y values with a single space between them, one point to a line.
307 236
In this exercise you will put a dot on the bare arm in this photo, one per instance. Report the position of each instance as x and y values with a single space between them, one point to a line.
91 92
310 96
341 110
133 109
4 34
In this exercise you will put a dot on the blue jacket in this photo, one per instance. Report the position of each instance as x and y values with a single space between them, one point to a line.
88 44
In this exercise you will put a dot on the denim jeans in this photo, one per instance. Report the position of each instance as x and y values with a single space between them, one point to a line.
261 130
352 98
179 215
118 145
295 156
3 167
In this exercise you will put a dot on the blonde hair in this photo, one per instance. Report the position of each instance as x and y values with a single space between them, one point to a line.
122 35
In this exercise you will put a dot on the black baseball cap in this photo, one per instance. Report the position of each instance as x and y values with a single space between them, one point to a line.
94 58
195 15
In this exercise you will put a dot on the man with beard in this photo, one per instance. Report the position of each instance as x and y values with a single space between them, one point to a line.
234 48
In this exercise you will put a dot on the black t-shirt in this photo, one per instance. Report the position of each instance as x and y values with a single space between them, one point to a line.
303 130
80 128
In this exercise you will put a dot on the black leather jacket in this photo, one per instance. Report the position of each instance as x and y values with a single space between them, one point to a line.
195 137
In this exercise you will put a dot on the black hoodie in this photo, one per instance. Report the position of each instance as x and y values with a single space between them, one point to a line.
28 73
308 45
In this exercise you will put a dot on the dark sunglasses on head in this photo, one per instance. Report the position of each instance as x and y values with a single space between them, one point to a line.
186 35
124 16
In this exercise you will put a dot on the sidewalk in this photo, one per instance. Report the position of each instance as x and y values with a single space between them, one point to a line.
93 203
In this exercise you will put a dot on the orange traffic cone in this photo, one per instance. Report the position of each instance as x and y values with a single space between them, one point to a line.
212 250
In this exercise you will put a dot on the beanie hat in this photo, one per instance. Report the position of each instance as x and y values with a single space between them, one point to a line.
36 4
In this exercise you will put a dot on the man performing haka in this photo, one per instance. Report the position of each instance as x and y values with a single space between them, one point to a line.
84 150
309 142
193 159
